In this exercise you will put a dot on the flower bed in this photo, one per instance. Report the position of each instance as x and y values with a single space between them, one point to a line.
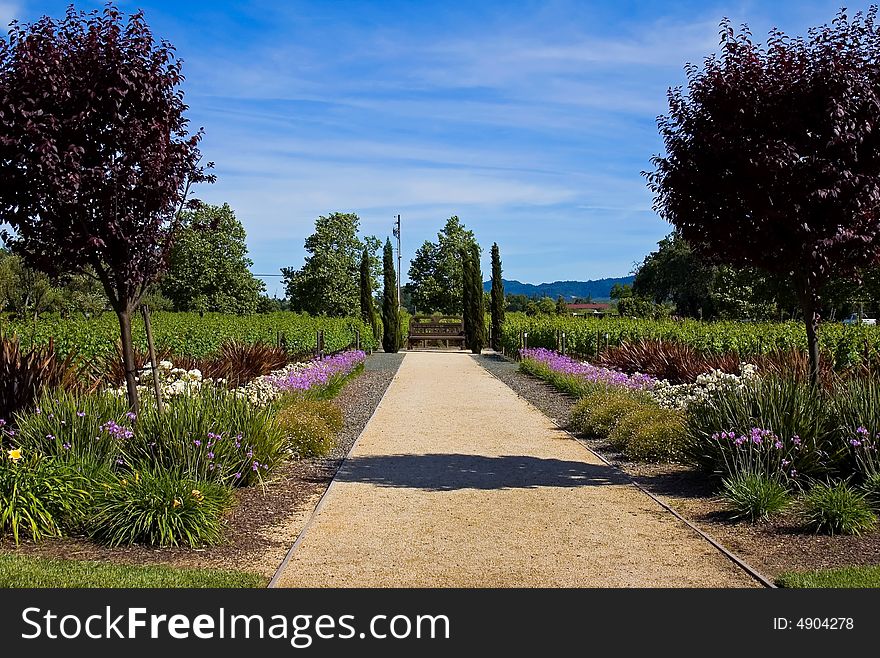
308 376
564 365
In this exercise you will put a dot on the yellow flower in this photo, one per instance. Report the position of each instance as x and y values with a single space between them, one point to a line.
137 477
123 482
198 495
15 454
177 503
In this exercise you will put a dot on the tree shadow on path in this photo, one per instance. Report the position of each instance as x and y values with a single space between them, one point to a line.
451 472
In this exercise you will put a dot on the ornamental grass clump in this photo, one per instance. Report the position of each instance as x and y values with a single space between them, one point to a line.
310 427
597 413
159 507
649 434
754 496
39 496
837 508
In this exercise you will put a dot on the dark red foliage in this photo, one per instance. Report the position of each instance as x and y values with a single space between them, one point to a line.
25 374
96 158
773 155
677 362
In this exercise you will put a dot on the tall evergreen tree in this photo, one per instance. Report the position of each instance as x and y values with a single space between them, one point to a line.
390 309
465 256
366 289
497 305
476 304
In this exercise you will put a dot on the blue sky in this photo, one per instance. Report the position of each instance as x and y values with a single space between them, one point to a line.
530 120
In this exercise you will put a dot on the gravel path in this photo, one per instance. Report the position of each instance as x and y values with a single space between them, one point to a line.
458 482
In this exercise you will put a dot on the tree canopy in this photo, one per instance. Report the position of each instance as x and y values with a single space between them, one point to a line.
328 283
209 269
773 156
436 272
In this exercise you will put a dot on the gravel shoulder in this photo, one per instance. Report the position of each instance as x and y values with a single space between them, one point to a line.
265 521
772 547
457 482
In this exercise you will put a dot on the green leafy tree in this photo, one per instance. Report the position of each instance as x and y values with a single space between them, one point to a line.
390 309
497 297
561 306
620 291
24 291
674 273
328 281
209 269
436 271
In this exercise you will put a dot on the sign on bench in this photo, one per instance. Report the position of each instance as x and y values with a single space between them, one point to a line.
435 328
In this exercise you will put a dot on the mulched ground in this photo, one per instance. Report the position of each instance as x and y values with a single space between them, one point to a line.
771 547
265 521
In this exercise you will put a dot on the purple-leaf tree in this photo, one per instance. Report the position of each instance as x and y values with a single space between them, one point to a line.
96 160
773 157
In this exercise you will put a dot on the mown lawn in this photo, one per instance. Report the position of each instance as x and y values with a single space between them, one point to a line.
26 571
846 577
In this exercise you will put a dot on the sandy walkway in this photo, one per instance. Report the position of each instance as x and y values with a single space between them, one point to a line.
458 482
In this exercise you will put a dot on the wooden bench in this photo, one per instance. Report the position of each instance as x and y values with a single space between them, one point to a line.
424 328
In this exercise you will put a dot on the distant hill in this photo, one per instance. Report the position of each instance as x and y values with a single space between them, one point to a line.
599 290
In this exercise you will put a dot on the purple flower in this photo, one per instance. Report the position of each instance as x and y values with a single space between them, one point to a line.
855 443
568 366
778 444
256 466
81 414
130 415
197 443
51 437
210 455
238 476
66 446
2 422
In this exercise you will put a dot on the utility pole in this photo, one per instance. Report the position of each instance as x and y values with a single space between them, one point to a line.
396 232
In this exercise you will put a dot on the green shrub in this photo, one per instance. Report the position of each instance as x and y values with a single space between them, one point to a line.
213 435
39 496
792 410
837 508
598 412
310 427
75 428
754 495
159 507
647 433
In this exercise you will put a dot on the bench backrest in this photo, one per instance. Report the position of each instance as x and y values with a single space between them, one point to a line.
435 326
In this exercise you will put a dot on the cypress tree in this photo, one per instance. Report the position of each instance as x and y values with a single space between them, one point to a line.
367 311
390 310
497 306
477 303
466 293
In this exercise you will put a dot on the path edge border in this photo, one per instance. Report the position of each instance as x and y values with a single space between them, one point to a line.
733 557
276 577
